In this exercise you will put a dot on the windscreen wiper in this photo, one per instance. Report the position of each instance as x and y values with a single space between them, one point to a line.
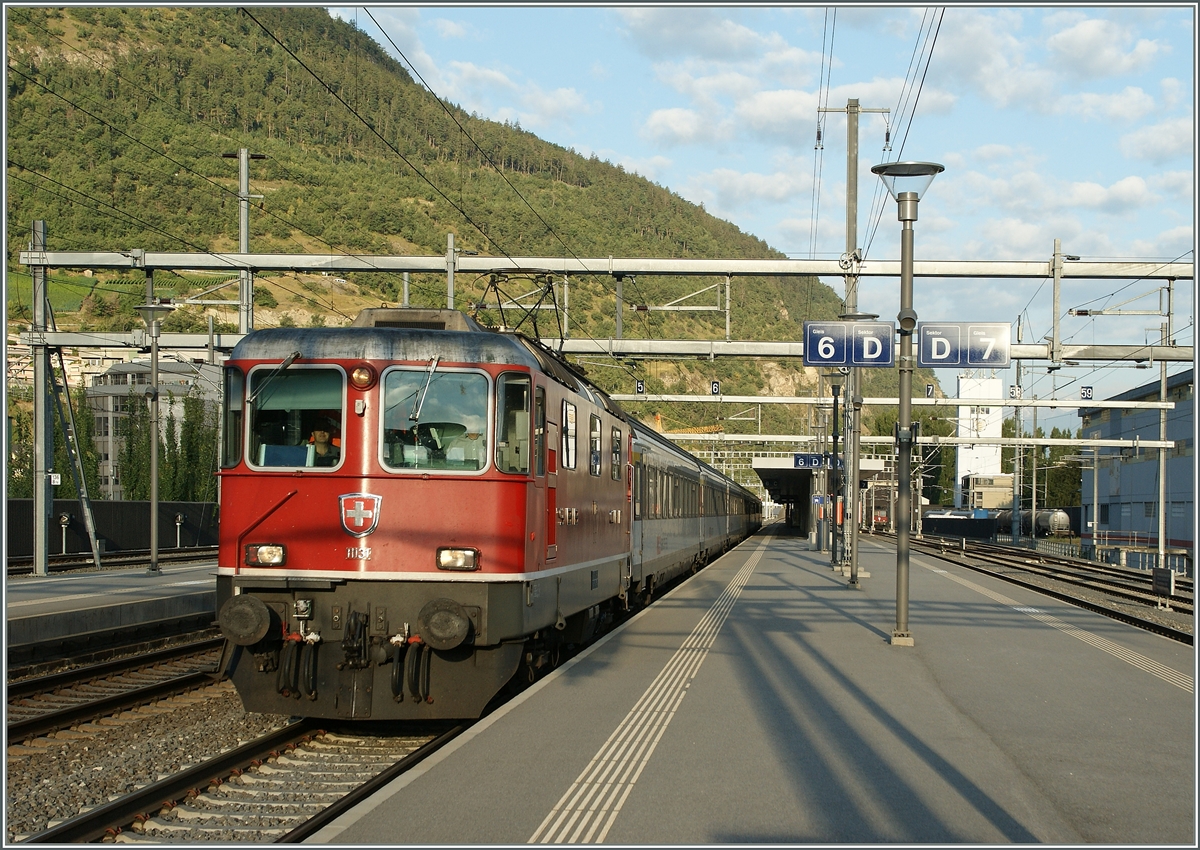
287 361
416 411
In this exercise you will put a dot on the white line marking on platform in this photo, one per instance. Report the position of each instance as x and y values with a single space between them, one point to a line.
601 789
1174 677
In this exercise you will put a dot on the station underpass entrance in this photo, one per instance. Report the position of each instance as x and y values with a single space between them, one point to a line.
793 488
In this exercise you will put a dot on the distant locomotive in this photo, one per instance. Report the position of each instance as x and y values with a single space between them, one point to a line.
415 509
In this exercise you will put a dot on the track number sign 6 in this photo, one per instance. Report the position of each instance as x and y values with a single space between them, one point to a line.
849 344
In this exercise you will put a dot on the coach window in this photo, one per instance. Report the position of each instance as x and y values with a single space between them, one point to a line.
594 446
539 429
288 408
512 423
566 457
616 454
235 397
435 418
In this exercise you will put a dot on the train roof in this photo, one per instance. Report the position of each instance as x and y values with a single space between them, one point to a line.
417 334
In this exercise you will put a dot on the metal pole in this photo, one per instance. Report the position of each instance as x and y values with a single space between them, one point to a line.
1162 453
43 429
449 271
1033 488
728 327
153 328
1055 338
907 202
833 478
404 302
246 297
620 305
1016 499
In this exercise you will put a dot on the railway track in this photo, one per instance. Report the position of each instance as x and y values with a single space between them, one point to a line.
281 787
39 705
1121 594
114 560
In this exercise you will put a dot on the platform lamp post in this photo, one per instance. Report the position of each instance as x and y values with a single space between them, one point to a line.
152 314
906 182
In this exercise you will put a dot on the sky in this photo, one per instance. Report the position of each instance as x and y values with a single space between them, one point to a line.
1072 122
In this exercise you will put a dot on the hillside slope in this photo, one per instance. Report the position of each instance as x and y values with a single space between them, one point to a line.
121 121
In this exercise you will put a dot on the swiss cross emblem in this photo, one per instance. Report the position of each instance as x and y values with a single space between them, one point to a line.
360 513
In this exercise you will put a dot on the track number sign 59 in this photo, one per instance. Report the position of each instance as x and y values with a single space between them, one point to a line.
849 344
958 344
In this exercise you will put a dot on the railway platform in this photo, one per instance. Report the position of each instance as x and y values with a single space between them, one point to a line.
70 606
762 702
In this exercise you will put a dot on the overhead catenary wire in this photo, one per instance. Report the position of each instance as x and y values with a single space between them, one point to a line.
486 156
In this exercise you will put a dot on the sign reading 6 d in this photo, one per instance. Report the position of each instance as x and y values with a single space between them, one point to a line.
963 344
849 344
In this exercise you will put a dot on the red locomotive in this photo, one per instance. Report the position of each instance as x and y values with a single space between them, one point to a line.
415 509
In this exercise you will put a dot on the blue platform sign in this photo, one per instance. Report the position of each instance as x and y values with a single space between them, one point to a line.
808 461
849 344
948 345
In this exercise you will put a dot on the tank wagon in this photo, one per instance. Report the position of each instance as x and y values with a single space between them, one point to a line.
1050 522
414 510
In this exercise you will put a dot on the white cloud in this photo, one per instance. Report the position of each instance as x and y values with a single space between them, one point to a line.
652 168
1131 104
561 106
678 126
785 115
1177 184
1096 48
1167 245
1033 194
449 29
730 190
981 49
684 31
1160 142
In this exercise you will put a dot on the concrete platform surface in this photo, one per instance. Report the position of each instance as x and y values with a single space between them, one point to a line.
761 702
68 604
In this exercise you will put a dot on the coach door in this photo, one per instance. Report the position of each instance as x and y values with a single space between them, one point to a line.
547 471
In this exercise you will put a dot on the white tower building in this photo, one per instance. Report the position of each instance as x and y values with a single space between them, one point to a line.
977 421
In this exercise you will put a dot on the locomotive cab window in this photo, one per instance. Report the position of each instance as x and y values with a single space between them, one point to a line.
295 416
231 433
512 423
435 418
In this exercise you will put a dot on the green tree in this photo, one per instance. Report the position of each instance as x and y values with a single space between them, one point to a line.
133 463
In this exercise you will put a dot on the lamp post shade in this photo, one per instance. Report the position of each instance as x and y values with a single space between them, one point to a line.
901 177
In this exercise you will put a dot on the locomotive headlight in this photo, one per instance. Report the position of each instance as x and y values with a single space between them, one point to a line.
362 377
457 559
266 555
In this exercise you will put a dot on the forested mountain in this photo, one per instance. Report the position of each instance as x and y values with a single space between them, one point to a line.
118 119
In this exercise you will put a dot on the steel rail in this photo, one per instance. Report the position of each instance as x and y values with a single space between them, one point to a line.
1130 619
369 788
50 682
34 727
96 823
